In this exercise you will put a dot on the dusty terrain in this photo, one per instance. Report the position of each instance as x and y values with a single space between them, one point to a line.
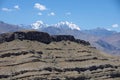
63 60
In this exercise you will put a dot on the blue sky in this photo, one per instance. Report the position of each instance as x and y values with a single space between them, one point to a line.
87 14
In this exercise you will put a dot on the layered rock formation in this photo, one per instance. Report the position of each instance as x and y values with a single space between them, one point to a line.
26 35
61 59
38 36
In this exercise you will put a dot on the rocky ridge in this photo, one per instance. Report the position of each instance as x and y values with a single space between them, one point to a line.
38 36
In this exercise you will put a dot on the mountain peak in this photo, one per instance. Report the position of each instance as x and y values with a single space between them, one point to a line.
67 25
62 25
38 25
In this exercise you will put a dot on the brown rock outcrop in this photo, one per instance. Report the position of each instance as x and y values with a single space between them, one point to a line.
38 36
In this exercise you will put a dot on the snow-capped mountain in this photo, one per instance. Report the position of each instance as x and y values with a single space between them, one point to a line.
38 25
67 25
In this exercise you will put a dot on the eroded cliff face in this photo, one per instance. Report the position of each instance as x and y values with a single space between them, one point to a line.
26 35
38 36
61 59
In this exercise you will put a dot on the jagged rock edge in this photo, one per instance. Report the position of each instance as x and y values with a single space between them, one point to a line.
38 36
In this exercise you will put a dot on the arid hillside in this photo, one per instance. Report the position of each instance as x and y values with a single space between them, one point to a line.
61 58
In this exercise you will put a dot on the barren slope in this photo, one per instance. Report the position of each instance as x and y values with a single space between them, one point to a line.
66 60
33 55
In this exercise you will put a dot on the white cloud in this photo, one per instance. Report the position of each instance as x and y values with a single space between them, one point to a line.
6 9
9 9
40 6
51 14
115 25
68 13
16 7
39 13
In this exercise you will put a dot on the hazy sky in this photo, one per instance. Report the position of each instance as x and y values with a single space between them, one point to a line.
85 13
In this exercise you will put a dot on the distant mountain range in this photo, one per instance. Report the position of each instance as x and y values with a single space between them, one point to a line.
102 39
5 27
